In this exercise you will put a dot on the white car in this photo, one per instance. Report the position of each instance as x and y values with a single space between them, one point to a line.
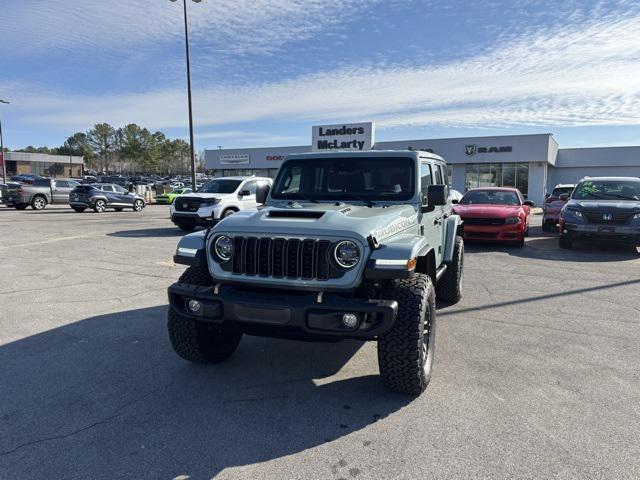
217 199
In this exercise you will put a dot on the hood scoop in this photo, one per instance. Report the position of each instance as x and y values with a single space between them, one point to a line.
305 214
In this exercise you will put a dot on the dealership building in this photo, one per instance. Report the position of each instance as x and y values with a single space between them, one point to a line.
532 163
20 163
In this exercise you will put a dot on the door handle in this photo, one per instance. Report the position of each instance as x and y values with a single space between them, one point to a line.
437 221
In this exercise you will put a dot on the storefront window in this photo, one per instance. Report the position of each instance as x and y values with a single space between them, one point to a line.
497 175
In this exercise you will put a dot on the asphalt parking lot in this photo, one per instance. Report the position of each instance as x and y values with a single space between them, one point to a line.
537 370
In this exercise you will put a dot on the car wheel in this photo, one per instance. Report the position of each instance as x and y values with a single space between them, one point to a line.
138 205
38 202
520 243
199 342
100 206
565 243
79 209
228 213
405 353
449 287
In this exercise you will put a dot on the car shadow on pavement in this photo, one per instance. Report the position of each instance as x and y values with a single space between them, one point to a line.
107 398
149 232
544 246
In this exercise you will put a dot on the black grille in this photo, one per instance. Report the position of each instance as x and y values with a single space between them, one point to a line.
284 258
616 218
187 204
483 221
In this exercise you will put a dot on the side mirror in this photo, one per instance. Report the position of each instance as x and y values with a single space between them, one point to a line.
262 192
547 195
244 193
528 203
454 201
564 197
437 195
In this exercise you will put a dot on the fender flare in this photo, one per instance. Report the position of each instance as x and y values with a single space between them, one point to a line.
453 225
191 250
397 251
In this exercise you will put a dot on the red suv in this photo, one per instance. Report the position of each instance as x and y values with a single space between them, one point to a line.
495 213
553 204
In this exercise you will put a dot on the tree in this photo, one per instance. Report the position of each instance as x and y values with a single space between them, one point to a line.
101 139
77 145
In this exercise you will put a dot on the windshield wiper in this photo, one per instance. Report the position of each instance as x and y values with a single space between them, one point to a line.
300 196
351 196
623 197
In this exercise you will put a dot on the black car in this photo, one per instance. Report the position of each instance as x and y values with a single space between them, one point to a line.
102 196
602 209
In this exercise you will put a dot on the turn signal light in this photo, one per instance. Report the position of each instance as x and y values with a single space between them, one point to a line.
411 263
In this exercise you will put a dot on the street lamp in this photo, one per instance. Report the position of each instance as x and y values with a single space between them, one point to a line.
186 43
4 163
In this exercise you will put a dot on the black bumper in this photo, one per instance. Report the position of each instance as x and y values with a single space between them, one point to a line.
284 314
191 220
603 235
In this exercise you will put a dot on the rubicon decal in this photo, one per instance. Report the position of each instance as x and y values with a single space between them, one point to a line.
394 227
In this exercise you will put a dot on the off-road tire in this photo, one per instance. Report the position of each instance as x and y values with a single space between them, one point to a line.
199 342
38 202
79 209
564 243
449 288
228 213
405 353
186 228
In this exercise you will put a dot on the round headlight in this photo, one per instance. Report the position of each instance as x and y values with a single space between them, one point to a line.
346 254
223 247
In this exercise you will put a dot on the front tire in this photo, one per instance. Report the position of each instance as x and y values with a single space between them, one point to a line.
405 353
565 243
199 342
38 202
228 213
138 205
449 288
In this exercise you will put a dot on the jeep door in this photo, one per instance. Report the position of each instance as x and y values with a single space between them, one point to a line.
440 178
60 190
431 224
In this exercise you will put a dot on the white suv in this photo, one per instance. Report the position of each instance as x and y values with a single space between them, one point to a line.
216 199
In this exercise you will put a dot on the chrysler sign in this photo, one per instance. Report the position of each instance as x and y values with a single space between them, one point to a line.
235 159
346 137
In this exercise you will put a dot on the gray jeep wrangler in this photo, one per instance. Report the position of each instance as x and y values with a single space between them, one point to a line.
346 245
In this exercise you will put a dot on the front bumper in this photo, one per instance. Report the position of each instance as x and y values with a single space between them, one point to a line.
284 313
192 219
551 216
601 233
498 233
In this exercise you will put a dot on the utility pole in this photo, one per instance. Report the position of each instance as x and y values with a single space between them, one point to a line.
4 162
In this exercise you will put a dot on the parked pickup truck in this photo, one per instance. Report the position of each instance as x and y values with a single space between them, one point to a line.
40 193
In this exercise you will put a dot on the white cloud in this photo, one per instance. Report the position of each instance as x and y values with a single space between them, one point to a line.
585 73
121 26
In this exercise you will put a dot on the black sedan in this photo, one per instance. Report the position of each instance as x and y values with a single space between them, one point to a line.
101 196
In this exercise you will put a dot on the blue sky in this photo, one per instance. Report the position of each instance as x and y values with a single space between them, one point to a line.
264 71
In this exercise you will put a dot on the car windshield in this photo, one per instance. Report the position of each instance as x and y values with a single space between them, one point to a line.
490 197
607 190
220 186
560 191
361 178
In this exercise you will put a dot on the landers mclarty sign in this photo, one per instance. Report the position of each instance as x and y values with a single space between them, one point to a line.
353 136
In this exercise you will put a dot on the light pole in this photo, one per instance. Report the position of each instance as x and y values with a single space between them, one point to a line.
4 163
186 43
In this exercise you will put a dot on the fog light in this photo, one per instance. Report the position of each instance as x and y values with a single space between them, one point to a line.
194 306
350 320
565 231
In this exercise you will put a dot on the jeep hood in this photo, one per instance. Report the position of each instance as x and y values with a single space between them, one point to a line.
322 220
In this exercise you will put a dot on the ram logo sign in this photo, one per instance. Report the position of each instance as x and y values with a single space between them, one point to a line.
470 150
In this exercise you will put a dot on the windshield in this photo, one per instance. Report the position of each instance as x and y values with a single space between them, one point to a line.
220 186
561 190
359 178
490 197
607 190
